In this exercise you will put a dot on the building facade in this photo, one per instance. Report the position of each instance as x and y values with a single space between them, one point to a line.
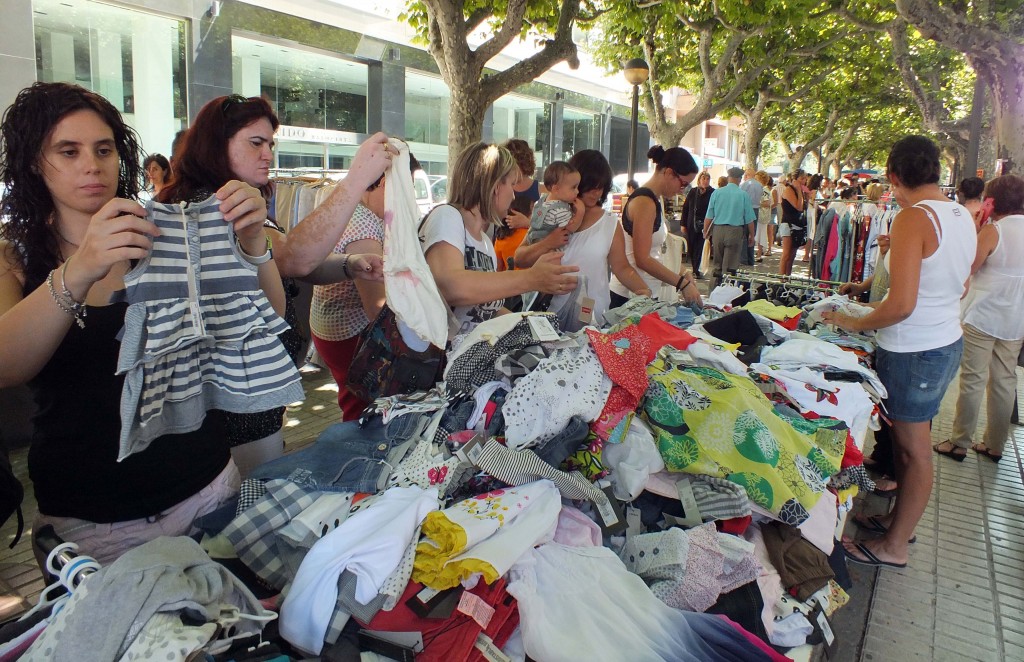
334 71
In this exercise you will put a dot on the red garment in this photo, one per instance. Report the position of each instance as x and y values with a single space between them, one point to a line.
337 354
735 526
790 323
453 639
623 355
853 457
662 333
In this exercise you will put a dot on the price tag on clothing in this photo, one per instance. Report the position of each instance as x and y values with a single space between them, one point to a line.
691 513
541 328
473 606
470 451
613 521
490 650
826 628
586 310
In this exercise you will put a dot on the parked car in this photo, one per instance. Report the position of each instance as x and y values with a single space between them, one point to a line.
616 196
439 189
424 198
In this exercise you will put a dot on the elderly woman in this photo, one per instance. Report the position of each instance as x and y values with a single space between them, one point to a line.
919 339
993 326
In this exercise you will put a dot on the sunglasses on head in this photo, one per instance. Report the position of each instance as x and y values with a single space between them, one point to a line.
233 100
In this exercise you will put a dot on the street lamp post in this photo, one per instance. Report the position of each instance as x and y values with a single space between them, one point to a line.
636 72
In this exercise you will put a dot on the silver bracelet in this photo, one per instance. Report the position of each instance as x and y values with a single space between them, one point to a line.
65 301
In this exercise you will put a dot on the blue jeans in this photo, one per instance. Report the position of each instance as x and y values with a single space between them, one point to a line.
346 457
916 381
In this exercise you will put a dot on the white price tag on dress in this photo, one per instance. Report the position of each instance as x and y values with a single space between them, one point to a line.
542 329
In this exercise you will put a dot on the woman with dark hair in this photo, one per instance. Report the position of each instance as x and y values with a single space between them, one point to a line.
598 244
71 167
646 229
158 171
794 221
919 336
695 208
460 253
969 193
993 326
232 138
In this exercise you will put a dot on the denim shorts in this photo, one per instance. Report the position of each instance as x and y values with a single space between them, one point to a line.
916 381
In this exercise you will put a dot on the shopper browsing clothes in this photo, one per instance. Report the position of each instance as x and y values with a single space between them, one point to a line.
919 336
460 253
71 167
993 326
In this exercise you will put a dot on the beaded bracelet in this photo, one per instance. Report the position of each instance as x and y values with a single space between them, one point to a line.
65 301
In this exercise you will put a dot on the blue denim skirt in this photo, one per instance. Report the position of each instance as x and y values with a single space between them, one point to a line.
917 381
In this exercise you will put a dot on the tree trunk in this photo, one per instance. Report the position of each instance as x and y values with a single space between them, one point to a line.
753 137
1007 85
797 160
465 123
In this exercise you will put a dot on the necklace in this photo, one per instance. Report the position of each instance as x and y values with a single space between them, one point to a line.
63 238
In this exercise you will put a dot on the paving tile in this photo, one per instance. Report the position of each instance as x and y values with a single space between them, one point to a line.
1015 638
1012 652
963 586
953 604
907 636
881 651
1014 620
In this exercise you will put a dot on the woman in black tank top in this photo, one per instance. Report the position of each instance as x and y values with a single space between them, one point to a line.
793 224
72 170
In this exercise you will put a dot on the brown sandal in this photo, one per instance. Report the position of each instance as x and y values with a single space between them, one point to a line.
982 449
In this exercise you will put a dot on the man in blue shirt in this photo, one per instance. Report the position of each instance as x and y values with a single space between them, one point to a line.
728 212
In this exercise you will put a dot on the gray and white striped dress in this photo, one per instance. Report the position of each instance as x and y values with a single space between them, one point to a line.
199 333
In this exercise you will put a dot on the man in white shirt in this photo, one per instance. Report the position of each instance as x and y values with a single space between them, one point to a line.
753 189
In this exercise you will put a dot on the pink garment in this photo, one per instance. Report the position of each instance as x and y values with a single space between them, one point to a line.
830 250
819 528
574 529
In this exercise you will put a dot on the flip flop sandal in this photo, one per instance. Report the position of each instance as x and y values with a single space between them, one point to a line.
869 558
875 525
987 452
959 457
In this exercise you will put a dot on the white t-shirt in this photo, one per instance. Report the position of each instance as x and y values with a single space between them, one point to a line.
445 224
996 296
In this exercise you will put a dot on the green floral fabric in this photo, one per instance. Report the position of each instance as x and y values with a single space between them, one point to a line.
714 423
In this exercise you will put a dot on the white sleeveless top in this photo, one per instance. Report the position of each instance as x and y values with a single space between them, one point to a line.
995 300
657 245
935 321
589 250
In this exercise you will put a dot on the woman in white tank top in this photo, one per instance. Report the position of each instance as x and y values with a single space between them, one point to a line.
993 326
919 338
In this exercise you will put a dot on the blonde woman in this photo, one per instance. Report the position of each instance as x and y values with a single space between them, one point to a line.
459 251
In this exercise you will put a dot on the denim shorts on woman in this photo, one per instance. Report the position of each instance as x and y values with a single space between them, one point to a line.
916 381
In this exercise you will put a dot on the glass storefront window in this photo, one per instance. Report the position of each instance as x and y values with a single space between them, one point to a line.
526 119
580 130
426 121
306 88
134 59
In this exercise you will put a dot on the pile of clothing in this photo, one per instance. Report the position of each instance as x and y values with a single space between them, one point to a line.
665 487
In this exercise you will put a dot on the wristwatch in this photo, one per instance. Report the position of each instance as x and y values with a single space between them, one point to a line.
256 259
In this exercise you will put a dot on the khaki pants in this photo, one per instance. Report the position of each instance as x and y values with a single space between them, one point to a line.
986 359
728 242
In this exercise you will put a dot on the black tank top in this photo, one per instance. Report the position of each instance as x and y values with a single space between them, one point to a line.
627 224
73 459
791 214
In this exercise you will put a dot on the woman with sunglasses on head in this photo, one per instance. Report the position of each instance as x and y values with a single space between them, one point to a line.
71 167
646 229
232 138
